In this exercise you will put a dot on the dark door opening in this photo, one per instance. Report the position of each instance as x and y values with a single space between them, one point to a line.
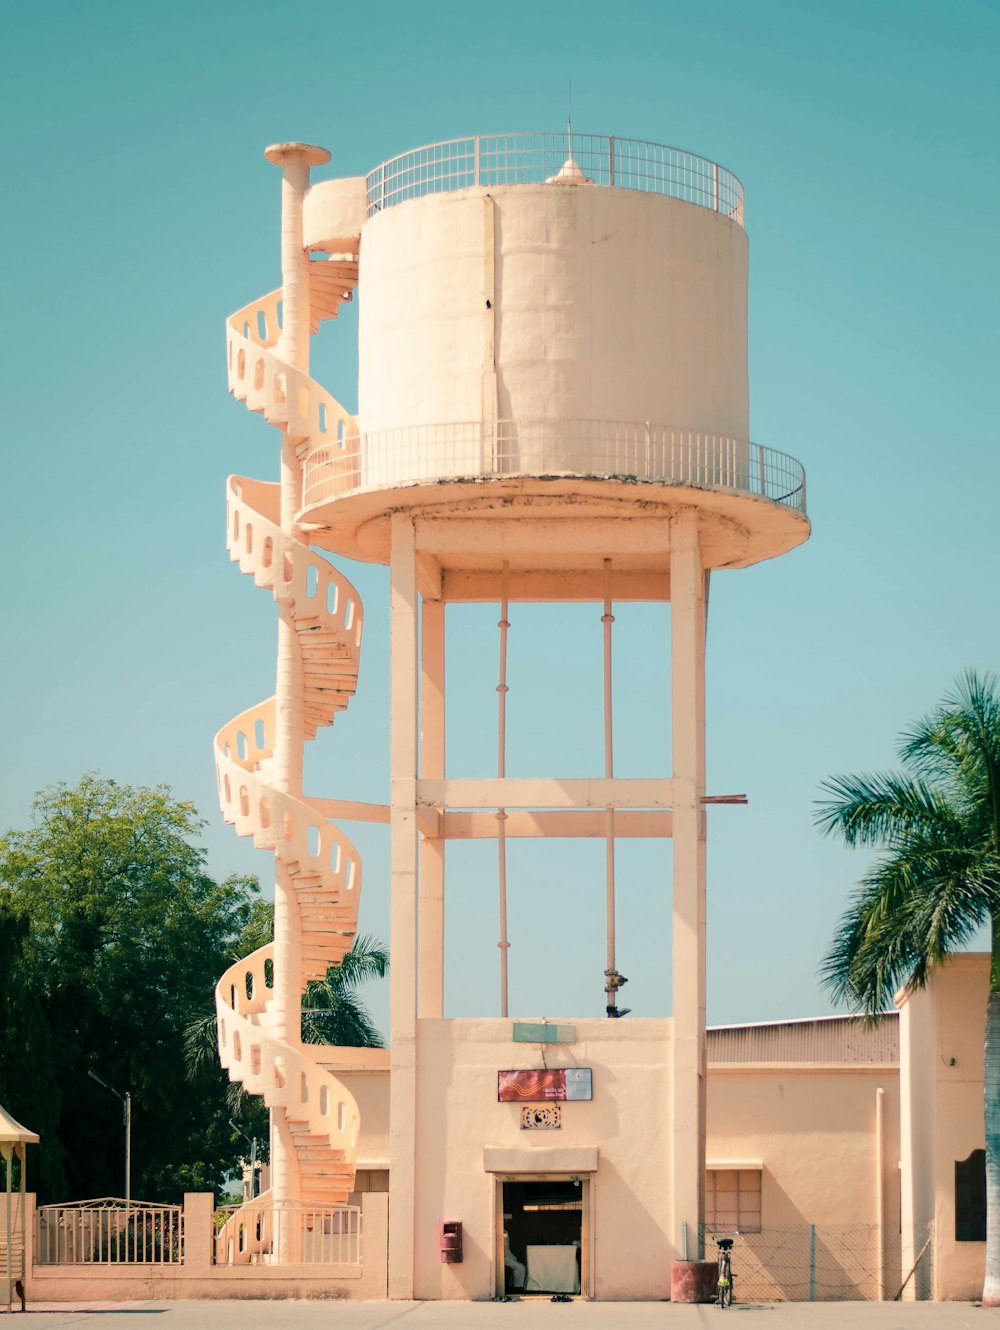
543 1233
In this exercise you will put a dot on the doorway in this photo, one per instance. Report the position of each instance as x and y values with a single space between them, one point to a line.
543 1225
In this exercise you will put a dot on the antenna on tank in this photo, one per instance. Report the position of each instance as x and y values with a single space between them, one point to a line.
570 172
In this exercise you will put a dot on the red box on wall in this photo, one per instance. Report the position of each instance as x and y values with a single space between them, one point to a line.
451 1242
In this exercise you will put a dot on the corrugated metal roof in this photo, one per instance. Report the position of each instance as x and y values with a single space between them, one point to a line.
837 1039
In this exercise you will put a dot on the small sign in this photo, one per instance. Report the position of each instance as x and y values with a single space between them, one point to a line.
544 1085
541 1117
525 1033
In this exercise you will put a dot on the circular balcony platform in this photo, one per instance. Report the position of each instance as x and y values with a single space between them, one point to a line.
751 499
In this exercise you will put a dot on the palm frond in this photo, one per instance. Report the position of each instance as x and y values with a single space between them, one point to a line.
881 808
201 1050
923 900
367 959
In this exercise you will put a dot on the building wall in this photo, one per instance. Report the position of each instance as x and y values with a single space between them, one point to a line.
813 1130
628 1121
942 1029
961 997
371 1090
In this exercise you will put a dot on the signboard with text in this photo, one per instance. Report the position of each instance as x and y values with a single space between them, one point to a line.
560 1084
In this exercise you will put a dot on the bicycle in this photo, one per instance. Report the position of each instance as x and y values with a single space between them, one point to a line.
725 1294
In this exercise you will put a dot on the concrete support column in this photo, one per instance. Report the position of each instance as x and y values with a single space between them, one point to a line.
403 849
199 1235
432 848
687 620
295 160
918 1042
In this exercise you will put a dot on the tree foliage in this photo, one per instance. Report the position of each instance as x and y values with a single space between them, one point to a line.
937 824
332 1010
112 936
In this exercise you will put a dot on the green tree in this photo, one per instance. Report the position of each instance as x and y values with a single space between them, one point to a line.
26 1043
127 935
935 885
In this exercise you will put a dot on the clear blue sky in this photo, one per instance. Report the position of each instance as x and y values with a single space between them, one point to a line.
139 211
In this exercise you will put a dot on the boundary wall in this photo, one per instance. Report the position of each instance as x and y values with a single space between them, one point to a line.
197 1277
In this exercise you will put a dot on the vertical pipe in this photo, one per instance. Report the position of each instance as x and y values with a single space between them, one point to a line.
812 1262
610 970
503 625
128 1149
880 1192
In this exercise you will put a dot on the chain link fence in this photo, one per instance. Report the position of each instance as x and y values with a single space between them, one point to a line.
828 1262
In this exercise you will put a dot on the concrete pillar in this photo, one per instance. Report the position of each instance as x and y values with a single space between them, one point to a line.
295 160
687 620
30 1202
432 848
199 1237
918 1044
403 850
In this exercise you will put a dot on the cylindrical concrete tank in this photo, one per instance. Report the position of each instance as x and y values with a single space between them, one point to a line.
553 328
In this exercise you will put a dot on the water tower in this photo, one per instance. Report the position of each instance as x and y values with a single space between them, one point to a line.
553 406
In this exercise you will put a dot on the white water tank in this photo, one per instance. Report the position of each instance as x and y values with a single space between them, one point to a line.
543 328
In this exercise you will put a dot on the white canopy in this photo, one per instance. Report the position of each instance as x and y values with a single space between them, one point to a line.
11 1132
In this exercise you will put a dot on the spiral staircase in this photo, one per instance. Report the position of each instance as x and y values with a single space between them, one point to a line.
320 1116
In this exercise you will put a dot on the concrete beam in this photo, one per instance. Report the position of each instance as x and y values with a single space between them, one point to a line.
540 792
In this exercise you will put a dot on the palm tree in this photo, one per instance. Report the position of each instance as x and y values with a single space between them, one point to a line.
332 1011
935 885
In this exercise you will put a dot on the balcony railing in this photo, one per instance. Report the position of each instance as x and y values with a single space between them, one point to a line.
264 1231
109 1231
532 158
636 452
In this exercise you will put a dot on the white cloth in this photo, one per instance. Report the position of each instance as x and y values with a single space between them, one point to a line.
553 1270
517 1268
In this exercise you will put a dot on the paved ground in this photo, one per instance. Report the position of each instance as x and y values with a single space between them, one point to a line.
527 1315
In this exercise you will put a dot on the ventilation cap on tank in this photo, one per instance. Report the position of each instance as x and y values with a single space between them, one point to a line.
570 173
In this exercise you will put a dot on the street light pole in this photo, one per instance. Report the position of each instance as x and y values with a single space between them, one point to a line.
128 1148
126 1101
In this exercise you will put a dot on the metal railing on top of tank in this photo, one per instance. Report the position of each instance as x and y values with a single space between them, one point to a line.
533 158
636 451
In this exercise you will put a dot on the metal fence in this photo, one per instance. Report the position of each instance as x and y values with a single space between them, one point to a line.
591 449
828 1262
109 1231
272 1233
532 158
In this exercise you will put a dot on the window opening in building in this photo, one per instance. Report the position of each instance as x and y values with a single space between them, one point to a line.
970 1198
732 1200
543 1235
